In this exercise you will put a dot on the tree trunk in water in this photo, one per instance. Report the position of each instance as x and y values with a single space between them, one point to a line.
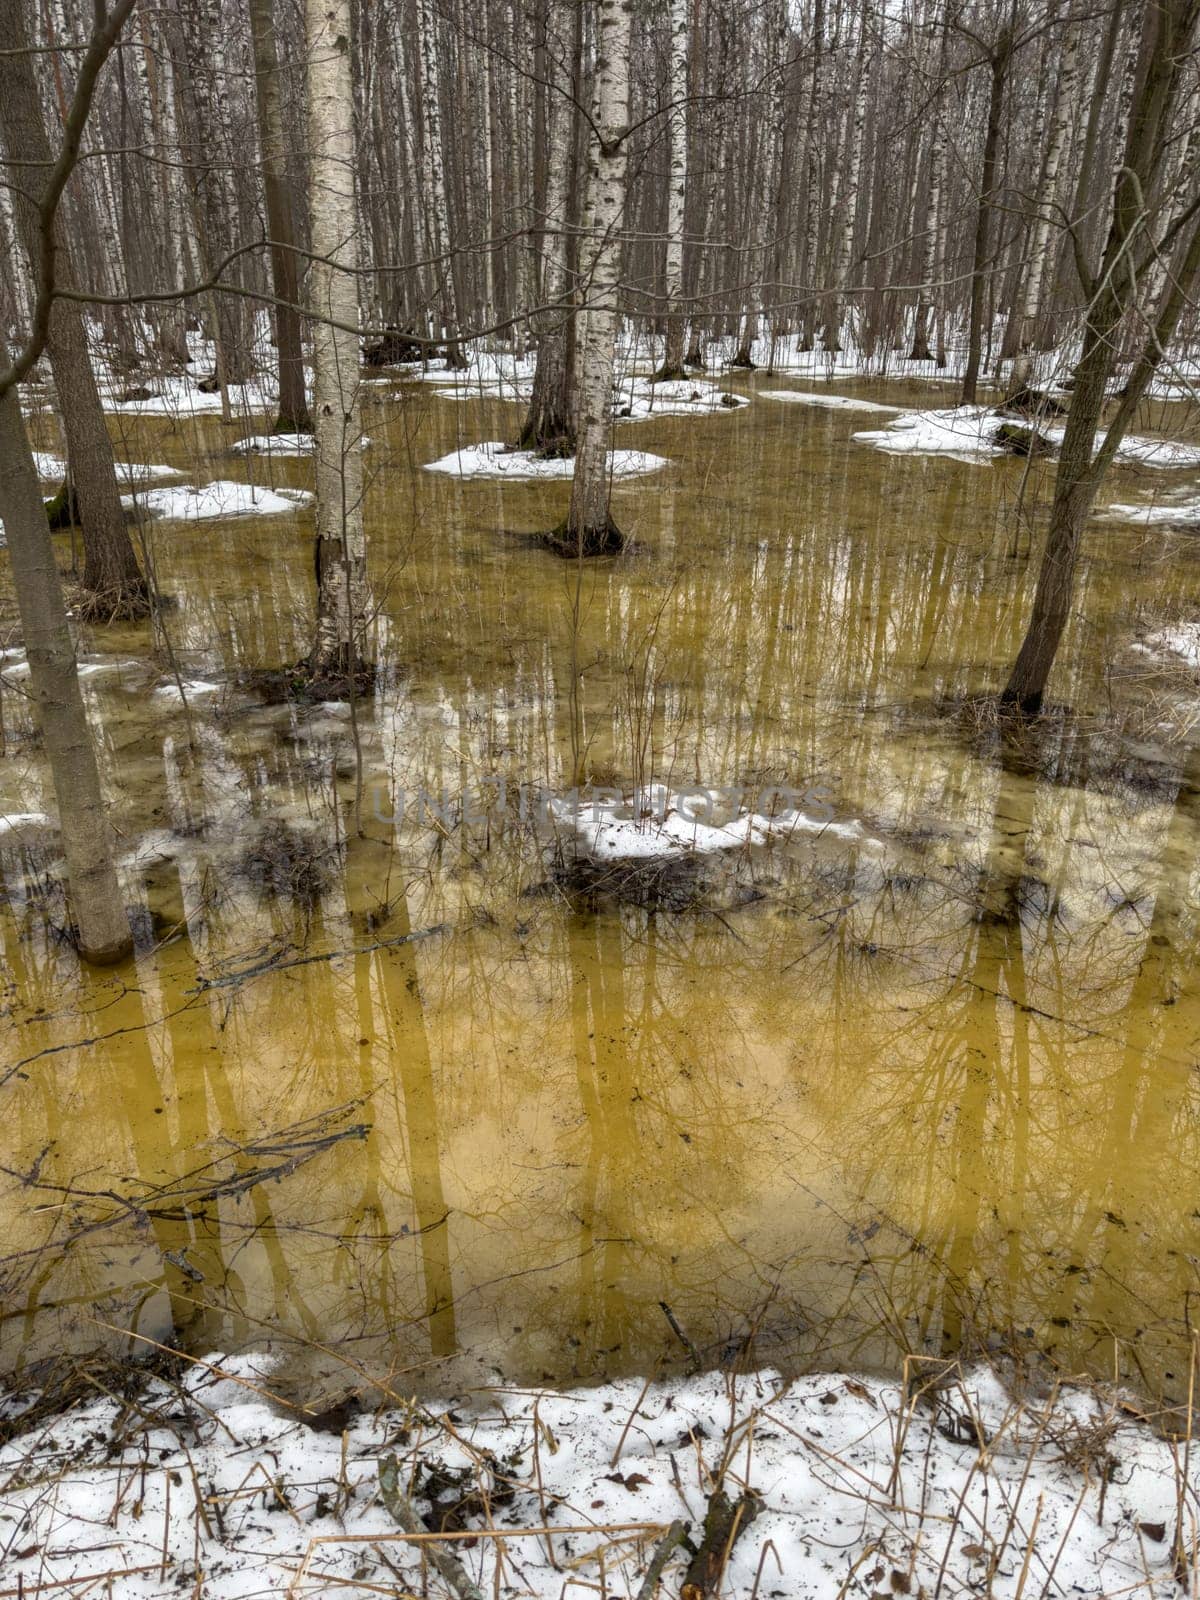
102 927
672 366
1165 31
293 415
589 529
987 182
111 574
339 648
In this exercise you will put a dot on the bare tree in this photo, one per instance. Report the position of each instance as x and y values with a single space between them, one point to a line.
339 647
1168 30
292 416
589 528
111 575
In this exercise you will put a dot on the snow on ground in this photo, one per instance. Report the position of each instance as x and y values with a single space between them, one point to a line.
279 444
222 498
179 397
967 433
1163 511
212 1485
962 432
496 373
192 689
19 825
635 399
52 469
1179 643
659 823
494 459
1147 451
827 402
14 665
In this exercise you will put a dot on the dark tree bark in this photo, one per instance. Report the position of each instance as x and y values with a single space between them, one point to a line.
1166 28
111 574
1000 59
293 415
101 925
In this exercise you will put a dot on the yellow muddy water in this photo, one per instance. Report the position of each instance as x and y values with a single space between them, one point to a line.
380 1084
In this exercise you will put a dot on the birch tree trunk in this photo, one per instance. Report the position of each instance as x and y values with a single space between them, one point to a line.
339 649
436 174
292 416
548 427
102 927
677 90
589 528
841 266
1039 245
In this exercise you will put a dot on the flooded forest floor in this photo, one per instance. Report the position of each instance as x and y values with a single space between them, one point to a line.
395 1092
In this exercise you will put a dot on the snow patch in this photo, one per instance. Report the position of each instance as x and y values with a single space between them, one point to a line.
853 1477
279 444
222 498
1161 512
192 688
18 824
494 459
1180 641
967 433
827 402
52 469
657 823
639 398
964 433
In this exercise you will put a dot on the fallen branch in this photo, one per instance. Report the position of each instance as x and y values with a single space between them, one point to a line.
674 1536
406 1514
724 1521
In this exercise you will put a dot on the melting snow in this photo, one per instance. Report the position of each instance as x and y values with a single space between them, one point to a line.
1182 511
222 498
656 822
52 468
495 460
1181 640
827 402
965 433
638 398
948 1491
279 444
23 822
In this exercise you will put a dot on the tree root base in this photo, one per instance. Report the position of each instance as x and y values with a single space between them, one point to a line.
670 375
568 542
128 603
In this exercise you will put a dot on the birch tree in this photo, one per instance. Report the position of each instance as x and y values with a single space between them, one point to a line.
340 645
589 528
677 90
93 892
1039 244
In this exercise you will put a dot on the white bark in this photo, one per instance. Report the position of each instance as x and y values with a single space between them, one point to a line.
589 526
340 644
676 187
849 195
1039 246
